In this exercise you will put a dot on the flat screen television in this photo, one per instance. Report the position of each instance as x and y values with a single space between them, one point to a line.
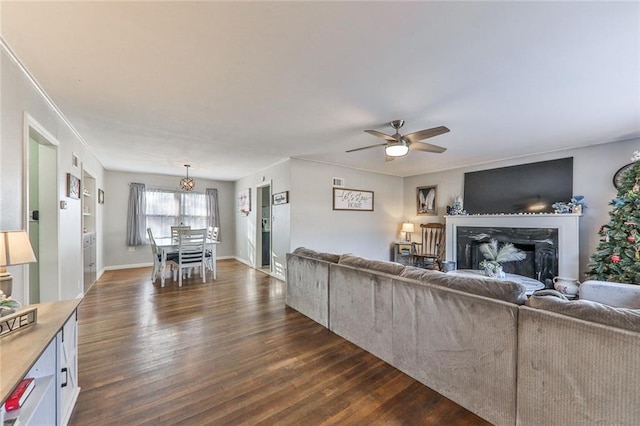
525 188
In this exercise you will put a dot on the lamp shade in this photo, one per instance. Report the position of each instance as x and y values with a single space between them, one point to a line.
408 227
15 248
396 150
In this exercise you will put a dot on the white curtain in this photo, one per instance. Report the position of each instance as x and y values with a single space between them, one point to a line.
166 208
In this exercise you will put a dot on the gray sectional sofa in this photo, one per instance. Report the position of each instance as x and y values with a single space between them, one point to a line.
480 342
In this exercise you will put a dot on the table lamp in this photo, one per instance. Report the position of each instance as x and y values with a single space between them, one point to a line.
15 249
408 228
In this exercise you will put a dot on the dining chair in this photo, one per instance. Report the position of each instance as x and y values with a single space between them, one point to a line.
157 258
176 229
191 252
212 235
431 249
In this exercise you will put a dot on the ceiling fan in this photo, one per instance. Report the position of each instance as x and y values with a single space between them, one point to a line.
398 145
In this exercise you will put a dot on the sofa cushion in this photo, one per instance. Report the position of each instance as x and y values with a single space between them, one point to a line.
628 319
613 294
482 286
386 267
328 257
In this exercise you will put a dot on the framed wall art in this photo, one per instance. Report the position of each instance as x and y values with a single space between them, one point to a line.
426 200
280 198
352 199
244 201
73 186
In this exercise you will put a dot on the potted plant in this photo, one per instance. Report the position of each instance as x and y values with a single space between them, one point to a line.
7 304
495 256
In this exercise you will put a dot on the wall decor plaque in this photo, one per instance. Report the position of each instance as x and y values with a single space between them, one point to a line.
352 199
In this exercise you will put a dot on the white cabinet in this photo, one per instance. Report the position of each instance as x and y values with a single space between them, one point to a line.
88 203
40 406
55 368
68 390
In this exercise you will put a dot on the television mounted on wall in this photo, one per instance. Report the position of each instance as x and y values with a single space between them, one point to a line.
525 188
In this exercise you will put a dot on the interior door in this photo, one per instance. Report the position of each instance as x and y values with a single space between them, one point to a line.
263 228
41 195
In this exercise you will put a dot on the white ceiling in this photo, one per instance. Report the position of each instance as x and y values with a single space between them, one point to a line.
233 87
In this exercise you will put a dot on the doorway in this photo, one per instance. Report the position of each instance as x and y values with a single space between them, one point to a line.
41 206
263 228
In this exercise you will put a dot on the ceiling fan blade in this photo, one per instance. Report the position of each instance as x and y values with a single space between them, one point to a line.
381 135
366 147
427 147
425 134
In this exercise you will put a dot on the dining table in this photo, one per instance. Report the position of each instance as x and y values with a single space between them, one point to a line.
168 245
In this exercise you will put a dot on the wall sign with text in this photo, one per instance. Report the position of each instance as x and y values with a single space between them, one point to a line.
352 199
280 198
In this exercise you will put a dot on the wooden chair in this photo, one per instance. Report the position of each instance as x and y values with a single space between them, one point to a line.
191 252
212 234
157 259
431 251
175 230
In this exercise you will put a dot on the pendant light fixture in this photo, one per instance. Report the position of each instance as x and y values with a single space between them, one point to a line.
187 183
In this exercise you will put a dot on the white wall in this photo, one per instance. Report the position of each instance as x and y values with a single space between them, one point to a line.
593 170
246 226
309 219
17 97
314 223
116 207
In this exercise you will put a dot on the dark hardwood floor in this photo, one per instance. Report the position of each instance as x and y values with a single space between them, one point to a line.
231 352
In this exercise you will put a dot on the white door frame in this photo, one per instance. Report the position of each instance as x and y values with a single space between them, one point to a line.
49 264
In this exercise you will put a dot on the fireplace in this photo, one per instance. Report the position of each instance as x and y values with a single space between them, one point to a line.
539 244
549 240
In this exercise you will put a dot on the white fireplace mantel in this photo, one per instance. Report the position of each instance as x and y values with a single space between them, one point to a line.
566 224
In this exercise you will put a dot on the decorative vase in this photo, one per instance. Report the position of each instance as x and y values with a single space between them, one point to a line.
568 286
493 270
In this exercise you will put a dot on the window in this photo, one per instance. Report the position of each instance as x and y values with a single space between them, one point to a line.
166 208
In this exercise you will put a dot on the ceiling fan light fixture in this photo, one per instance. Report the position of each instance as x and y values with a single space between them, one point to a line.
396 150
187 183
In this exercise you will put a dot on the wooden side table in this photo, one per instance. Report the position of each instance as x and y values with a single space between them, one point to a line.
403 252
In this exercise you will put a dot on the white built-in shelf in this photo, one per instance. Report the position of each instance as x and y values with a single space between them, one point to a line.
25 414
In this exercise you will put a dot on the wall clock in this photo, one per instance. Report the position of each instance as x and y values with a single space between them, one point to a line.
617 178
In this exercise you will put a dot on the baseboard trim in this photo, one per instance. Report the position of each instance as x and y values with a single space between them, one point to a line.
149 264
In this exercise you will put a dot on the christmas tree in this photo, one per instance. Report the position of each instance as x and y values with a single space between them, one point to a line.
617 258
